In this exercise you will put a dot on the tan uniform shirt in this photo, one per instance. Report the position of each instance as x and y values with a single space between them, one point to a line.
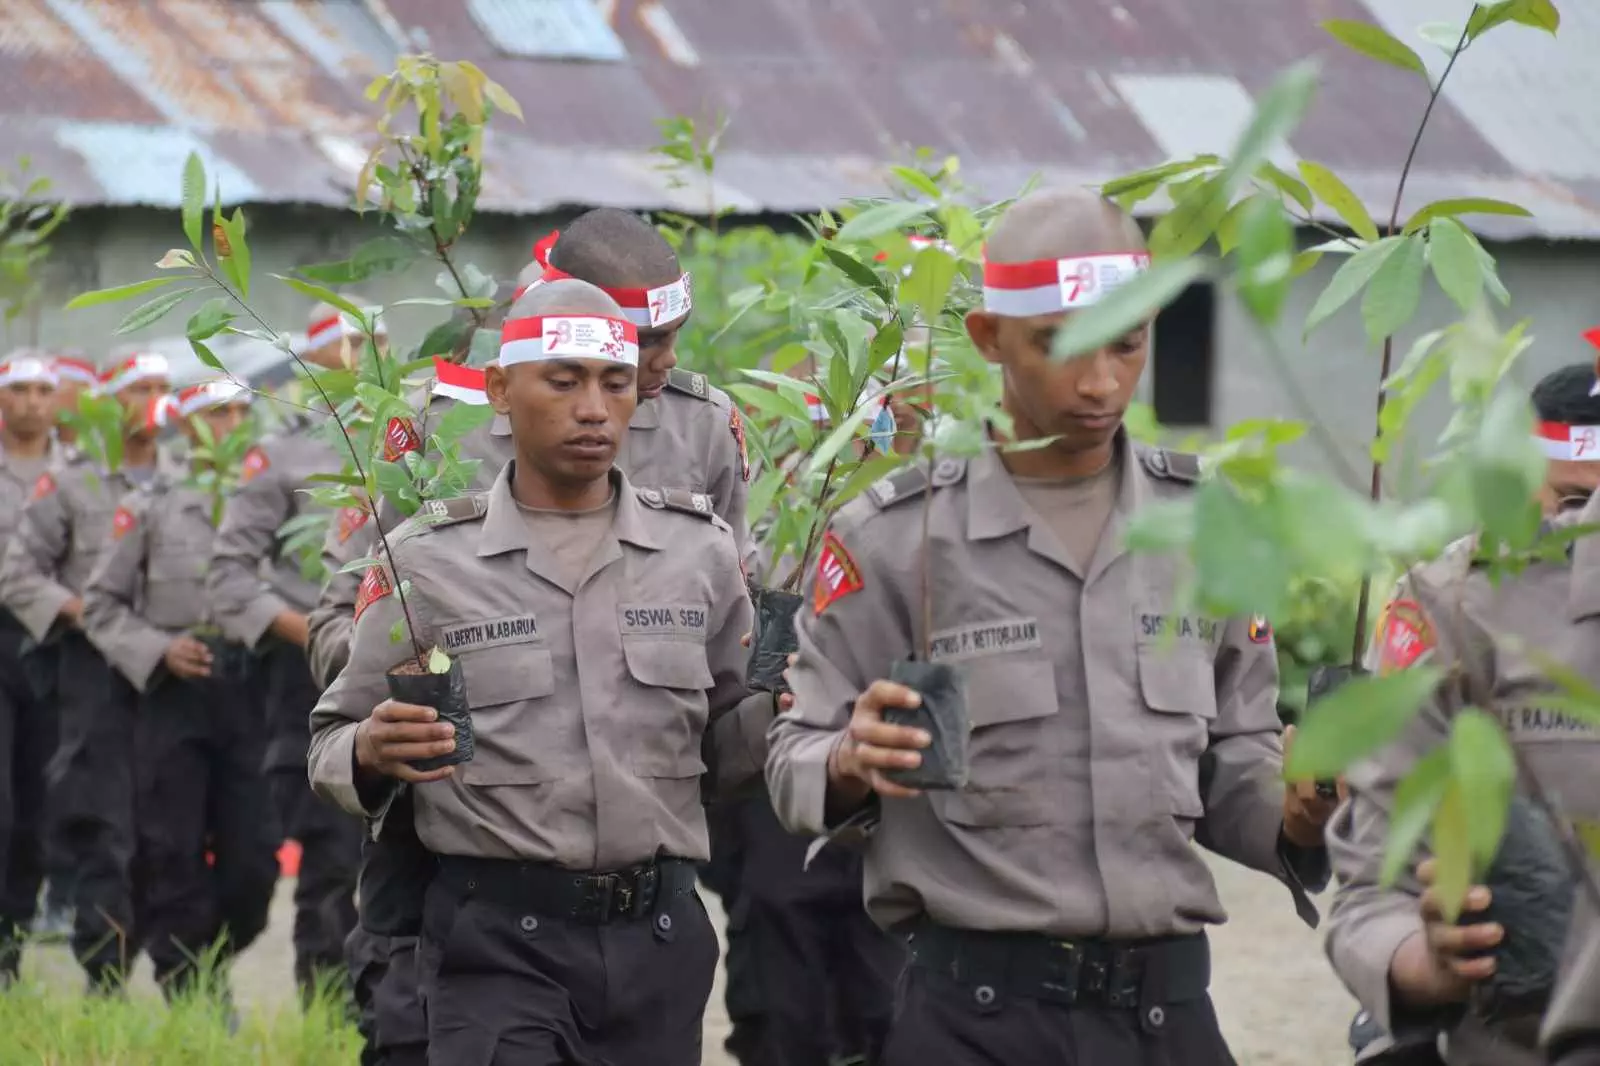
148 585
589 699
1575 1008
64 525
1450 608
252 580
1099 749
18 477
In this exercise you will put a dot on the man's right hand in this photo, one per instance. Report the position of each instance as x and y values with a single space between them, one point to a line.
187 658
291 626
400 733
870 746
1428 969
72 611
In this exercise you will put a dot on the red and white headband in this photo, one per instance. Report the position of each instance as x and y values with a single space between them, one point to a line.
1593 337
1578 444
134 369
546 337
160 412
27 370
82 371
814 407
197 398
325 331
645 308
1045 286
463 383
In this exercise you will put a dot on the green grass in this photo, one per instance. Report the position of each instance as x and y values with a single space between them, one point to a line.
40 1026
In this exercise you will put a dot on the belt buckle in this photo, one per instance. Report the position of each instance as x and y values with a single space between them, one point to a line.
1124 977
1064 963
642 893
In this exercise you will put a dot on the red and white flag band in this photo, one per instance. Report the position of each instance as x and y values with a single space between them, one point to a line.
27 370
1045 286
80 370
548 337
1580 444
462 383
325 331
197 398
134 369
645 308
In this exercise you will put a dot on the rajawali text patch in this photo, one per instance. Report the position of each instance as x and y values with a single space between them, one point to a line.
1541 725
999 637
684 621
489 633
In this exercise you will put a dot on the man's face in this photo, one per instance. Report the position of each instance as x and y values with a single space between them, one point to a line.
136 399
1081 400
567 416
658 354
28 407
66 397
221 420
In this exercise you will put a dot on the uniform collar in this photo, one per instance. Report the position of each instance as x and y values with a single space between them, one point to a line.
504 529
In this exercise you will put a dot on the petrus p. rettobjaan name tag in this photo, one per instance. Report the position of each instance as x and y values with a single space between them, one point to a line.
1000 637
489 633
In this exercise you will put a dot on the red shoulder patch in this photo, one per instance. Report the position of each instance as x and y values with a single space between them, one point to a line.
736 426
45 486
398 438
837 574
122 523
255 462
374 587
350 520
1405 633
1260 629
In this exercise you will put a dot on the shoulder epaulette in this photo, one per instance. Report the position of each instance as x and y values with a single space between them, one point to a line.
695 503
437 513
915 480
1172 466
689 383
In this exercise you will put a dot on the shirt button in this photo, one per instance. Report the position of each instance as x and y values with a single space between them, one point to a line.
664 922
529 923
984 995
1157 1017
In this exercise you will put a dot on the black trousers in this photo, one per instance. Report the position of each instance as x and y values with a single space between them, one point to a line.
504 987
383 972
205 863
28 732
92 790
329 838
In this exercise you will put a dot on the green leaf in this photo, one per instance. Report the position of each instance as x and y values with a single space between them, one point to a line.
1396 289
1472 205
1507 468
1239 552
1483 768
381 404
1266 256
863 476
1446 36
1143 183
121 292
236 264
438 662
209 320
1193 219
1452 852
337 479
194 201
1415 799
207 357
460 420
1455 263
327 296
1374 42
918 181
1278 112
1286 183
857 271
356 565
1331 190
1539 14
1091 328
933 271
150 313
1356 719
1228 229
879 219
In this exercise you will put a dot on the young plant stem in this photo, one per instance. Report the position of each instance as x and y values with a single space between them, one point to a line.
816 527
1375 489
441 248
927 571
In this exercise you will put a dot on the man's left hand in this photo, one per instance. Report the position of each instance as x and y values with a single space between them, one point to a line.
1304 812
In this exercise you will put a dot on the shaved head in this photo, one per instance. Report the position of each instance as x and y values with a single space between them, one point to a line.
1057 223
568 296
617 249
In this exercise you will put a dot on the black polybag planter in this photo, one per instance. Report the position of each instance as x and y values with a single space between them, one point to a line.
1324 680
445 693
230 662
943 714
772 640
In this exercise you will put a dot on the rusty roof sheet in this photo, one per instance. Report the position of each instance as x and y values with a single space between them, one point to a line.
108 96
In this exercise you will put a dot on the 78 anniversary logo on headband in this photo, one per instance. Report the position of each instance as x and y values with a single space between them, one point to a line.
546 337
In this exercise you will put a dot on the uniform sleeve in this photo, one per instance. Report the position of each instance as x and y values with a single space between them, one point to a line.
349 701
1368 922
726 484
1574 1013
739 717
329 623
33 558
128 642
860 629
241 602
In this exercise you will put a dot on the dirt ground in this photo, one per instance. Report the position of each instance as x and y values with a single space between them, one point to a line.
1280 1004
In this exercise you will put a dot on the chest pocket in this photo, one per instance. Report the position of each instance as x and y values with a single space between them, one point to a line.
1178 685
1012 753
667 694
517 740
175 580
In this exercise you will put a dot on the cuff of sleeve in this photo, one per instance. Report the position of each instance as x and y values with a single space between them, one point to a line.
1363 957
141 661
800 789
250 625
333 776
43 615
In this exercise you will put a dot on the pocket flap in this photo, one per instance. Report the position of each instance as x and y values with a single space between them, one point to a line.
1177 681
668 664
1009 689
507 674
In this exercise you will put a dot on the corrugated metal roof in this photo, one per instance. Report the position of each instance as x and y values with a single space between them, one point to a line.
108 96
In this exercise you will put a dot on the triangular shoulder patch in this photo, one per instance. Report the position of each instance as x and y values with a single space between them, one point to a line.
1172 466
689 383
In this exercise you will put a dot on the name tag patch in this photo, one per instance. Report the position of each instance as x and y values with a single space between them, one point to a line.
684 620
490 633
986 638
1539 725
1154 626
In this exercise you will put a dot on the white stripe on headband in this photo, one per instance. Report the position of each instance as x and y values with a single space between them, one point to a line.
1045 286
1579 444
197 398
79 370
814 407
645 308
462 383
325 331
548 337
27 370
135 369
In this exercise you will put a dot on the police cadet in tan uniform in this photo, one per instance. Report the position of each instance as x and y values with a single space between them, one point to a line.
64 526
599 629
1054 906
27 717
1391 946
1572 1025
197 768
272 619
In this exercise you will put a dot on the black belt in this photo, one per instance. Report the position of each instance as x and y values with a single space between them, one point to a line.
1111 973
590 898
